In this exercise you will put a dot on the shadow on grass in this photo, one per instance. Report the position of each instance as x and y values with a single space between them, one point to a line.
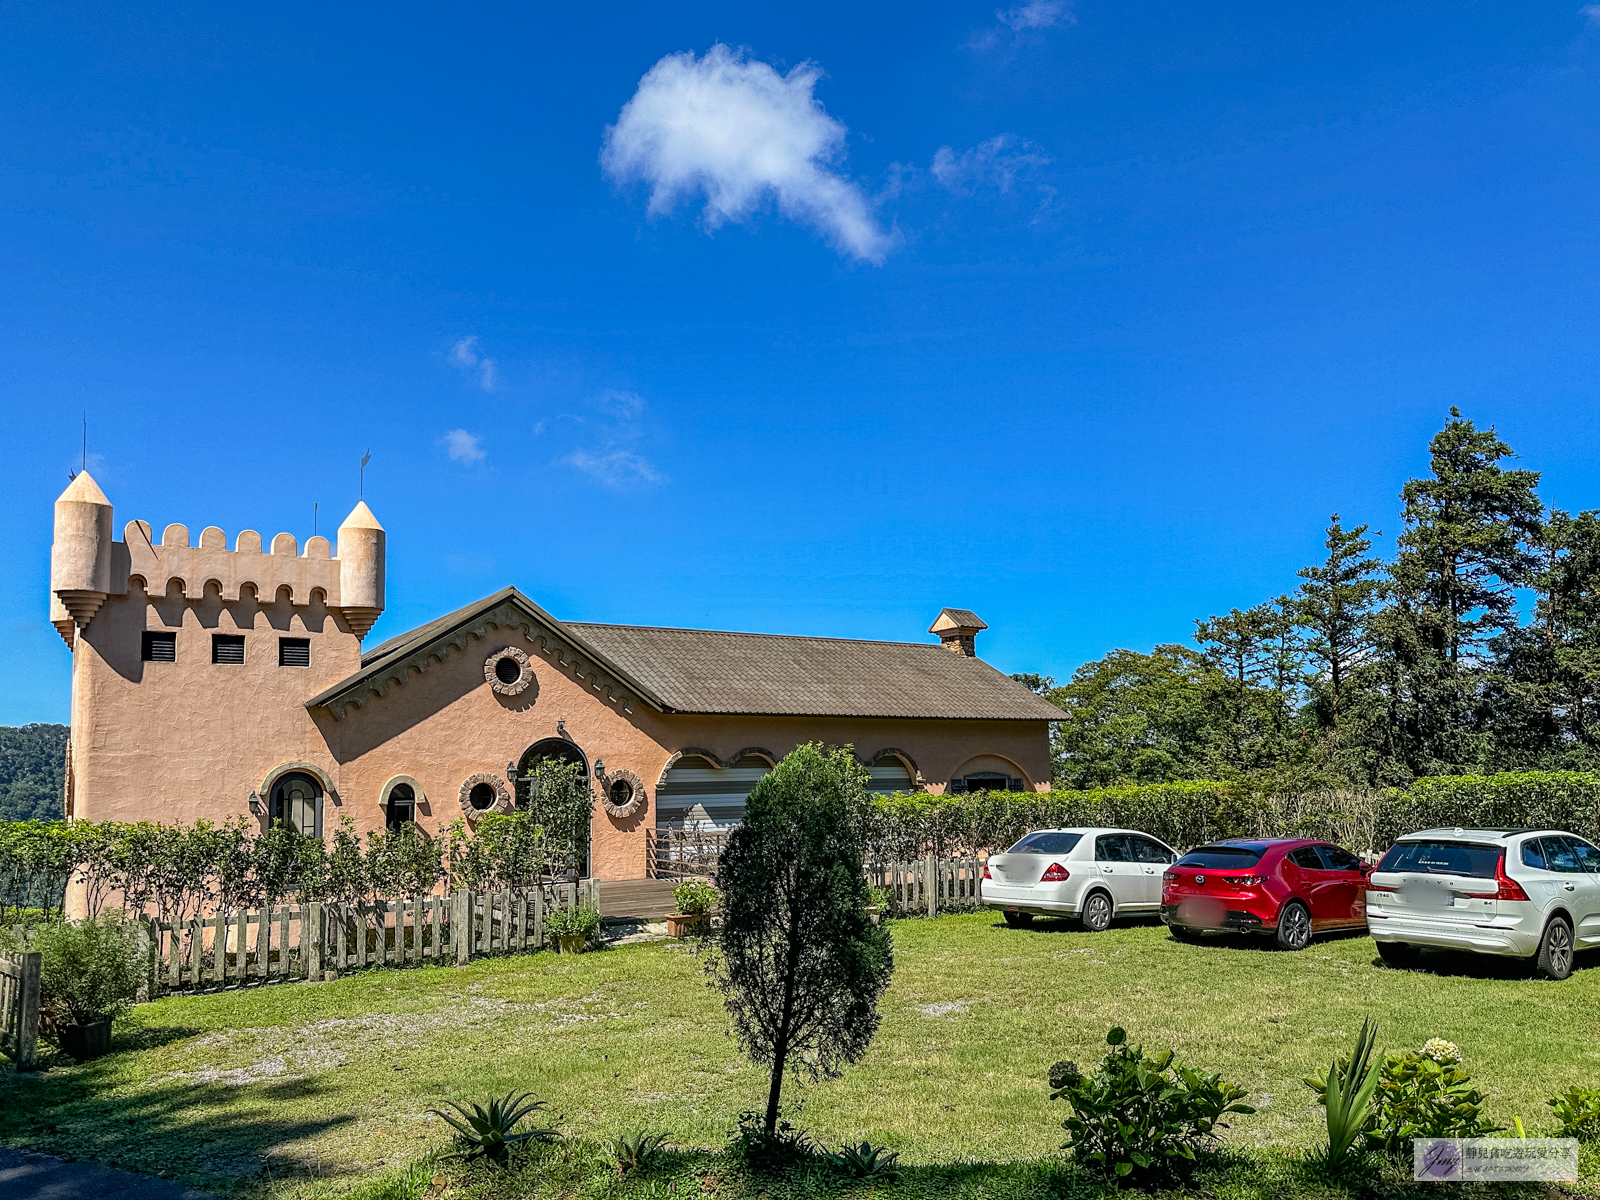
1466 965
209 1135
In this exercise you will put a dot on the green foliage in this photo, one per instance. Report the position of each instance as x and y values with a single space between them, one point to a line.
636 1152
489 1131
89 970
1142 1119
799 963
582 921
1578 1113
1426 1093
693 897
32 772
865 1161
770 1145
1345 1093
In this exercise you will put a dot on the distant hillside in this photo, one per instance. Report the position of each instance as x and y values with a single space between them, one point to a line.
32 771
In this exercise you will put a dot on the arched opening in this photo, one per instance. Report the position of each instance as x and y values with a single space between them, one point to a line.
297 803
697 794
890 774
554 750
400 810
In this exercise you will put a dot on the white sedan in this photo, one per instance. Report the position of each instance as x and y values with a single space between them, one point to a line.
1090 874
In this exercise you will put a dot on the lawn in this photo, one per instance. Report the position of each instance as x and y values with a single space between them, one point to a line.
254 1091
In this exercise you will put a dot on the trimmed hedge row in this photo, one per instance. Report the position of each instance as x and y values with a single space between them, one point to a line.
905 826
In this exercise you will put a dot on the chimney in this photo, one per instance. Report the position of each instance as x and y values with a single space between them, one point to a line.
958 630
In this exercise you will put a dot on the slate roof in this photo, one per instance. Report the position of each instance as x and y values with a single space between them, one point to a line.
710 671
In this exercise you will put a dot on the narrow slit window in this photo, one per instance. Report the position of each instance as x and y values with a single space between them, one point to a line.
294 652
158 647
227 647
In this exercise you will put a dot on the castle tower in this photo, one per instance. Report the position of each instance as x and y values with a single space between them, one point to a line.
361 569
80 556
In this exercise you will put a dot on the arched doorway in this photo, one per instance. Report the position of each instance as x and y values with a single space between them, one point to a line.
554 750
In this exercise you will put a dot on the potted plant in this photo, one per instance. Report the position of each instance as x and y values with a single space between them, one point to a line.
574 928
877 901
88 975
693 899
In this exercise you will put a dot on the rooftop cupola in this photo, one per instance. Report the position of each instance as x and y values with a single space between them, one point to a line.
958 630
80 555
361 569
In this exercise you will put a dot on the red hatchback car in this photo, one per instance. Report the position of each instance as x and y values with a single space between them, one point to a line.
1287 888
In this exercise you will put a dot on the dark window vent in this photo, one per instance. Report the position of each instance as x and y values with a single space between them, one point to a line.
158 647
294 652
227 647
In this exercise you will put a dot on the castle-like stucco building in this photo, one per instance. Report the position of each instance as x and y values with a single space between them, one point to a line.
212 682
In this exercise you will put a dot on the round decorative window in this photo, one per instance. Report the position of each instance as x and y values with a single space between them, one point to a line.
483 793
622 793
508 671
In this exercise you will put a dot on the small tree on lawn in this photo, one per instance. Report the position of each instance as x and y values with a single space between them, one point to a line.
800 963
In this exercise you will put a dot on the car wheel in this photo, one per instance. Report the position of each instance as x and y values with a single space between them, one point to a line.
1184 933
1294 927
1397 954
1554 960
1096 915
1018 920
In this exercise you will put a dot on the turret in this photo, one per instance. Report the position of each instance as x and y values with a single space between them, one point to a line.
80 556
361 569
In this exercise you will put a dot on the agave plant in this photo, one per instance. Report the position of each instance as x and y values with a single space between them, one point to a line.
636 1151
865 1161
490 1132
1346 1094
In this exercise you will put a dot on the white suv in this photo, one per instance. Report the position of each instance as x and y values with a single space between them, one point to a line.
1090 874
1527 893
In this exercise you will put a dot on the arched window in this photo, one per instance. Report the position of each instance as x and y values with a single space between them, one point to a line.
549 750
400 809
696 794
297 802
890 775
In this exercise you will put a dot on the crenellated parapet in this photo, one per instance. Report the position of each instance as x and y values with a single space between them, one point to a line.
88 566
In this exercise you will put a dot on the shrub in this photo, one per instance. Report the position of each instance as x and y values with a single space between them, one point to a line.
490 1131
694 897
1578 1111
88 970
1345 1093
1142 1119
636 1152
865 1161
583 920
1426 1093
783 1145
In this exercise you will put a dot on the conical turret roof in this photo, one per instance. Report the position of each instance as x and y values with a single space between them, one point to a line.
84 490
361 518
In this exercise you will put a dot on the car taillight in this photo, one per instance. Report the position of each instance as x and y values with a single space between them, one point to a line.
1054 873
986 874
1244 880
1507 888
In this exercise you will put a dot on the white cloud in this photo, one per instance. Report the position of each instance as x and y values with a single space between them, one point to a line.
464 354
740 133
464 447
615 468
1000 162
1592 11
1037 14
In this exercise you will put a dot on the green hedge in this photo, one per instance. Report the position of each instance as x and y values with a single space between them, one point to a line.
907 825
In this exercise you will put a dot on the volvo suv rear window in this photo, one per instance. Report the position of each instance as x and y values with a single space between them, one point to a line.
1221 858
1442 858
1046 843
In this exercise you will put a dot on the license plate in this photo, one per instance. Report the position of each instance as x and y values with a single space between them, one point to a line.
1421 895
1203 914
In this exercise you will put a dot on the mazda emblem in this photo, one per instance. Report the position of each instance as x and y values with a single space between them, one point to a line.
1200 879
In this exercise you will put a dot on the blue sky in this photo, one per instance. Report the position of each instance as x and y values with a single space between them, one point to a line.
1084 316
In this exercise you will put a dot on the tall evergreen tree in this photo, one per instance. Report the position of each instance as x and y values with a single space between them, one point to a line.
1335 606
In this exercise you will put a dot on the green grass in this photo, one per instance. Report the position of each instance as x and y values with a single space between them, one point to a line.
261 1090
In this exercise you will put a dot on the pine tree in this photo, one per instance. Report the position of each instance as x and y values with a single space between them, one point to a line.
1335 606
800 964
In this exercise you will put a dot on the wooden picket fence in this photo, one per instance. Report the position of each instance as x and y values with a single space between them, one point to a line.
310 941
929 885
19 1007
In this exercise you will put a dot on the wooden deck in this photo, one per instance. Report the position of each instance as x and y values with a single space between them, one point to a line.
636 899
